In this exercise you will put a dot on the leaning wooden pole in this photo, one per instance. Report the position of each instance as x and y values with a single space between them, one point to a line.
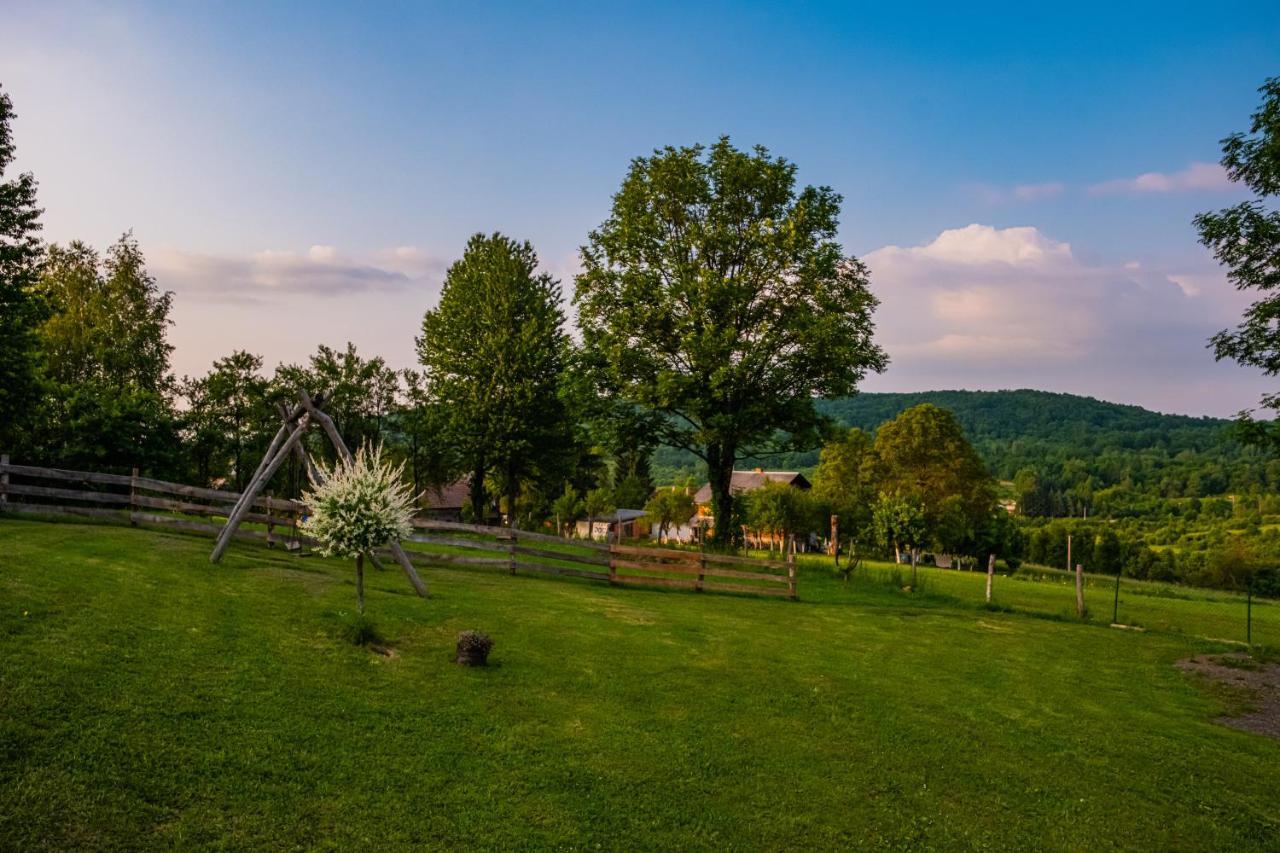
265 472
326 423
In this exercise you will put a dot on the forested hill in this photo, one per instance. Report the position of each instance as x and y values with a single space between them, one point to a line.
1074 445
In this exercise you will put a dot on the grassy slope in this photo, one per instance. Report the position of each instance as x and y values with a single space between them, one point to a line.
147 697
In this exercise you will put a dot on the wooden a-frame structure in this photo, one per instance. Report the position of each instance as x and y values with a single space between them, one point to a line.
288 441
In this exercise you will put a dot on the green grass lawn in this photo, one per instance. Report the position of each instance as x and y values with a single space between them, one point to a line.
149 698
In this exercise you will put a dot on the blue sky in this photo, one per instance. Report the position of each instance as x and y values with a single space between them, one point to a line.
329 161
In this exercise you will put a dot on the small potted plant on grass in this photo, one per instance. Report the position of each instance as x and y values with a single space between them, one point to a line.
360 505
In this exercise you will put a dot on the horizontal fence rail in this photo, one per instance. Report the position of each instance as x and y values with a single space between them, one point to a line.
137 500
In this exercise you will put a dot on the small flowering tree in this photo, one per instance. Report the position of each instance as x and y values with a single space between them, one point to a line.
359 505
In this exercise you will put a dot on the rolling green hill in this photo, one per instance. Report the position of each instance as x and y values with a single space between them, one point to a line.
1072 443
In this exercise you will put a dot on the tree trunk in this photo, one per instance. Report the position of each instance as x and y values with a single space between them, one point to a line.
477 495
991 570
915 559
360 582
720 476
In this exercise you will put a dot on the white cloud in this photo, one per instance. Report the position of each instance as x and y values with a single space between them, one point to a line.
1197 176
984 307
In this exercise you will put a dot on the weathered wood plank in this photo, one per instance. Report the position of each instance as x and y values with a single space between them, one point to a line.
659 553
678 583
755 590
430 559
589 559
68 494
55 509
505 533
458 542
767 577
543 568
744 561
657 568
62 474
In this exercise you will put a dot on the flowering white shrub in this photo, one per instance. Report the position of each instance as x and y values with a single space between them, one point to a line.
360 506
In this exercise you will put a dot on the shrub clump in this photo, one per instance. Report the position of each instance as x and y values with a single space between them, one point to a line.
473 648
361 631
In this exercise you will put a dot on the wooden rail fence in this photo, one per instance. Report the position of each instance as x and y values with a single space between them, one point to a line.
138 500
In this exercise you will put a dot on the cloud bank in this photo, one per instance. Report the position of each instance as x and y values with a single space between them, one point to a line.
1196 177
982 307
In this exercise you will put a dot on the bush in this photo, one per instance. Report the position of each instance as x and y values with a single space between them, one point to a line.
360 630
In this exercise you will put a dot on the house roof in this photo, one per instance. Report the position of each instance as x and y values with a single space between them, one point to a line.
747 481
453 495
623 515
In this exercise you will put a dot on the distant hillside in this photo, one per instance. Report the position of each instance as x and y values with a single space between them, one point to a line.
1072 442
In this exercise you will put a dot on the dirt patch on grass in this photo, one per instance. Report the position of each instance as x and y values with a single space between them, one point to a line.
1255 685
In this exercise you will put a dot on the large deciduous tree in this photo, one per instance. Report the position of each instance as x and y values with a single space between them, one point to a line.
492 353
1246 240
716 294
20 252
845 481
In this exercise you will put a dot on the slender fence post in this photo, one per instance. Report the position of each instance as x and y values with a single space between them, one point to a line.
133 497
271 524
991 572
1248 615
1080 590
1115 607
791 568
1068 552
702 569
4 481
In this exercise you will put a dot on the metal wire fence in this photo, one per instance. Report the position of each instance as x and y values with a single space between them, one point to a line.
1127 603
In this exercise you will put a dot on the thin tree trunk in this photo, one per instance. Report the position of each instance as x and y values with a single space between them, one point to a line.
915 559
360 582
991 570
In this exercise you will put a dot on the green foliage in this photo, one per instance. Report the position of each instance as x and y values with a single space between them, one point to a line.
20 252
670 507
1245 239
567 509
360 394
597 502
845 481
718 295
492 352
360 630
899 523
228 421
359 506
923 459
782 510
104 362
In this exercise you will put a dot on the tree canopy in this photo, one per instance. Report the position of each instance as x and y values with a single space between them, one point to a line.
492 353
1245 238
716 294
20 254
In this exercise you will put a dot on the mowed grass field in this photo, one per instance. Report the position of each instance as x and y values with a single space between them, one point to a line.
150 699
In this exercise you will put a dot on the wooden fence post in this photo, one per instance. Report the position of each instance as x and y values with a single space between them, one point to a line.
1080 590
991 571
133 497
4 481
1068 552
702 570
511 549
791 569
271 523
